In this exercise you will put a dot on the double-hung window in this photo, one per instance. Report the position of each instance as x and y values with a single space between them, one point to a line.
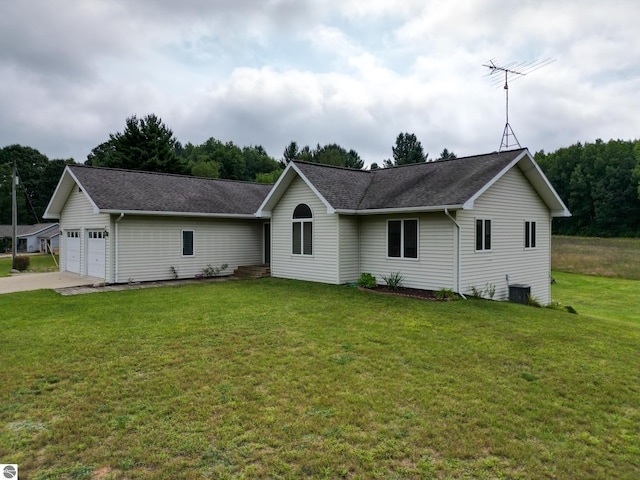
187 243
402 238
529 234
483 234
302 228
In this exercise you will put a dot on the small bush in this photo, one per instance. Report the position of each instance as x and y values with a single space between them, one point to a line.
533 301
367 280
21 263
445 294
209 271
394 281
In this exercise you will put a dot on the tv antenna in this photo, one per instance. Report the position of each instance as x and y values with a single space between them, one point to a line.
519 69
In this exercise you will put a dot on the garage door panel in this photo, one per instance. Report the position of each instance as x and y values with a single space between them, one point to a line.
72 254
95 253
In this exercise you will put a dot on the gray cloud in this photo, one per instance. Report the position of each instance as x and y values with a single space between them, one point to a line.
351 72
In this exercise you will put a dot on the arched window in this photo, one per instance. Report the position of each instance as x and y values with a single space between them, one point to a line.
302 222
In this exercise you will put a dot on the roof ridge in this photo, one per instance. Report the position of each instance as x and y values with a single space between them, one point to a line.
128 170
442 160
326 165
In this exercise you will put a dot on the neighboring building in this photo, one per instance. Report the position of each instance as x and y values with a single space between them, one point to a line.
481 222
41 237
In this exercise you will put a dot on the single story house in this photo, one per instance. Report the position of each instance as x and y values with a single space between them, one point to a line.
40 237
472 223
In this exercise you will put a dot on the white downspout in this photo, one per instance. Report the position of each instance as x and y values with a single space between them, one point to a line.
115 246
459 254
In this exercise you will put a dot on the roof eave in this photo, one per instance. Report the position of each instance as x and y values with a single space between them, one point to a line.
281 186
62 192
243 216
393 211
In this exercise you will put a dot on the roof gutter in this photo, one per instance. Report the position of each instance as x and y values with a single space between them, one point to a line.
389 211
177 214
459 253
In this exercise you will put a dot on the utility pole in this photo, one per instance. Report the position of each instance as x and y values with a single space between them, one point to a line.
14 215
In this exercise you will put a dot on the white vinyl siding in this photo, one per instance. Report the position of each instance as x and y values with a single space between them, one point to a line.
348 249
78 215
322 265
432 270
510 200
149 246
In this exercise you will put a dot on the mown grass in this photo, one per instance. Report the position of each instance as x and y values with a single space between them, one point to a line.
602 257
285 379
39 263
609 298
598 276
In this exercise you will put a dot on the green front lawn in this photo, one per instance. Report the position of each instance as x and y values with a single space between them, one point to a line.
285 379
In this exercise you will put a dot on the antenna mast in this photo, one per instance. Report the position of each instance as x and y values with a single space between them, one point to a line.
513 69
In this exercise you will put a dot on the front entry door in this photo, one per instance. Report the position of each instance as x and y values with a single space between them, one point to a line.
267 243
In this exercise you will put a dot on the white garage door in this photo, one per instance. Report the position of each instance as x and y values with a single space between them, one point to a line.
72 253
95 253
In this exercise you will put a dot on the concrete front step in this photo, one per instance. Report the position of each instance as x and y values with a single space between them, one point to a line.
252 271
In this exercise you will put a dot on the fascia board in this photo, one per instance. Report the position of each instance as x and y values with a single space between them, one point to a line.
264 210
468 205
391 211
249 216
55 203
330 209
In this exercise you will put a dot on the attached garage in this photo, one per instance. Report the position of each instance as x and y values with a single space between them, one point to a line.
72 251
95 253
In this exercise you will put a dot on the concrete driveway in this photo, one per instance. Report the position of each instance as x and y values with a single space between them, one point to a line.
22 282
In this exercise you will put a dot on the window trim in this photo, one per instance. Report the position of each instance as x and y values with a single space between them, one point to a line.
530 235
193 242
304 223
483 238
402 245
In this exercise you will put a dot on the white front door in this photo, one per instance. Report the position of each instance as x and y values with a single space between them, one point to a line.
72 251
95 253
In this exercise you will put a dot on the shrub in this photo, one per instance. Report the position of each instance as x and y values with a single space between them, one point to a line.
394 280
21 263
445 294
533 301
209 271
367 280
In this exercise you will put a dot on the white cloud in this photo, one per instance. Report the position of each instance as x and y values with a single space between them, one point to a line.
356 73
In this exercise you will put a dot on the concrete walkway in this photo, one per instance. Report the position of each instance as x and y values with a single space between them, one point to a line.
22 282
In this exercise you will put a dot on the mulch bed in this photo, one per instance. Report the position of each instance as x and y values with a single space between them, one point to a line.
405 292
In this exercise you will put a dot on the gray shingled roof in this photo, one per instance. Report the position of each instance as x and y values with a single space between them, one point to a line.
431 184
126 190
6 231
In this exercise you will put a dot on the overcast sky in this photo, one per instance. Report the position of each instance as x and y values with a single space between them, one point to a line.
352 72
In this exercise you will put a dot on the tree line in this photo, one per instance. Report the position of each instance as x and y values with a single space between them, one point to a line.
148 144
600 184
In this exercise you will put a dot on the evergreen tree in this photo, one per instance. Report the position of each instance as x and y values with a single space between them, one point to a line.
146 144
407 150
